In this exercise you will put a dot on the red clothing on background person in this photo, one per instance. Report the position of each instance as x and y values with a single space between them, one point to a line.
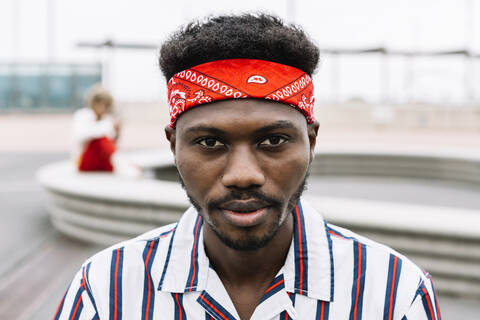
94 141
97 155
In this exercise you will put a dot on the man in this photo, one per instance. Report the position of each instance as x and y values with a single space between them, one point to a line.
243 135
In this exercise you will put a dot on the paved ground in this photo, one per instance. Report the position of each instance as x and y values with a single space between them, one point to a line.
40 261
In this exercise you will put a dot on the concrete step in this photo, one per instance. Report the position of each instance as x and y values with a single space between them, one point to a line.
455 287
447 166
449 268
427 245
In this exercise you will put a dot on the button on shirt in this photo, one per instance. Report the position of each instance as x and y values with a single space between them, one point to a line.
329 273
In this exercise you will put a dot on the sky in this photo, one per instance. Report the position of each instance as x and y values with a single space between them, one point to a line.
49 30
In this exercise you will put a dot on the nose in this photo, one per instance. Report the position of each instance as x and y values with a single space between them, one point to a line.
242 170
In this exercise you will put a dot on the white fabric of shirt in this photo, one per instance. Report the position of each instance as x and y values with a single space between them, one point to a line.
85 127
329 273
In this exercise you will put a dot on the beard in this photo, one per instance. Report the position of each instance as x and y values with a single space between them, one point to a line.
247 241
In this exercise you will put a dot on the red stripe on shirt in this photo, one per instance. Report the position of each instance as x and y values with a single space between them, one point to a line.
336 234
429 304
358 279
179 307
275 285
193 255
149 281
76 308
58 308
393 287
300 248
116 284
213 307
322 310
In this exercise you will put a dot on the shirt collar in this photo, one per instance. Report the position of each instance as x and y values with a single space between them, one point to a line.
308 268
185 266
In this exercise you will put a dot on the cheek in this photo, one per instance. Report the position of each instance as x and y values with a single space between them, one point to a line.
200 176
287 172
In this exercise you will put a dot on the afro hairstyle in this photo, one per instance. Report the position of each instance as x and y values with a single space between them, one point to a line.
246 36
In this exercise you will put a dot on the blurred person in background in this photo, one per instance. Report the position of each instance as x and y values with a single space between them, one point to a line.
95 133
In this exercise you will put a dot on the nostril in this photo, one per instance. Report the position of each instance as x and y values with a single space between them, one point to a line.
243 178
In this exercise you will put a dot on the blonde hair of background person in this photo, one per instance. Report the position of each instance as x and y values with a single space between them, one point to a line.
100 100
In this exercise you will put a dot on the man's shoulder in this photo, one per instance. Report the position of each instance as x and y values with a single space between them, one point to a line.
135 246
347 247
380 256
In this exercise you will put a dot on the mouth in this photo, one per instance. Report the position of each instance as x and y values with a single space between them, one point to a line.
245 213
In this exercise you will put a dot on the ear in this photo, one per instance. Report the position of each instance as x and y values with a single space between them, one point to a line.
170 134
312 130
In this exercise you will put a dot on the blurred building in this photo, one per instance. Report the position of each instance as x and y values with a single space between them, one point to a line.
46 87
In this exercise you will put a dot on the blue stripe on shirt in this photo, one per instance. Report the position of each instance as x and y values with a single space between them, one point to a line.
359 266
284 315
60 307
77 305
323 310
332 266
214 308
148 301
167 259
116 270
427 303
337 233
208 317
277 285
178 305
301 251
192 279
394 270
87 286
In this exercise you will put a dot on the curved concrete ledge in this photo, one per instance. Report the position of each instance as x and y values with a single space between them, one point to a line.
449 165
105 208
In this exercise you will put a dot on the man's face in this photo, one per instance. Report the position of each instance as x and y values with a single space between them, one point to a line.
243 164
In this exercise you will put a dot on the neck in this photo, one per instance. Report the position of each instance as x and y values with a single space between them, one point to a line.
240 268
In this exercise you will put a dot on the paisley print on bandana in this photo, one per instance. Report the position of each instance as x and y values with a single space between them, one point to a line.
239 79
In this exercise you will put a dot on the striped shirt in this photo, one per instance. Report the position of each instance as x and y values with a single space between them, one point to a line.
329 273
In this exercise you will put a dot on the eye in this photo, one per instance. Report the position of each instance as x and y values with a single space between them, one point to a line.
210 142
273 141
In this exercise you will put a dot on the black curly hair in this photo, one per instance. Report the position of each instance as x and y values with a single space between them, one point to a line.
250 36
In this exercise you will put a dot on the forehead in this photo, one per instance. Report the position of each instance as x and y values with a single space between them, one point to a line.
238 114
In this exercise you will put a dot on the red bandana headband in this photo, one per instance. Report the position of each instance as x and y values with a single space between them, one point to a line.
237 79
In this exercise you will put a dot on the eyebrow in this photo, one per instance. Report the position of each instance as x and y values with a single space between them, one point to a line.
281 124
203 128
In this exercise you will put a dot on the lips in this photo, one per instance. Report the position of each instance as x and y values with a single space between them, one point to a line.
245 213
244 206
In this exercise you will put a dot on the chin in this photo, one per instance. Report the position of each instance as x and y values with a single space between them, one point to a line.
246 244
246 239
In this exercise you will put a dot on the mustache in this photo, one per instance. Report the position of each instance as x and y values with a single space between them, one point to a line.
253 195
